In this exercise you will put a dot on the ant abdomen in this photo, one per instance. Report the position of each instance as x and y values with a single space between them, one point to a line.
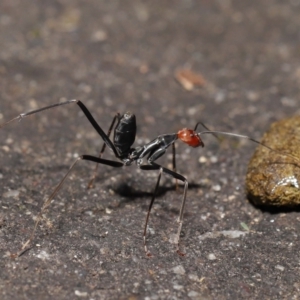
124 134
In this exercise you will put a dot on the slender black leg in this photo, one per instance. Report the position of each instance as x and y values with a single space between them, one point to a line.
115 164
155 166
148 167
174 164
89 116
105 138
21 116
91 183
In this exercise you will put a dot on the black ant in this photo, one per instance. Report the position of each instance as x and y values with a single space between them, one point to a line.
124 136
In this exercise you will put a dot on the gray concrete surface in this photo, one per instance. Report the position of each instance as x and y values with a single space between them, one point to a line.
122 55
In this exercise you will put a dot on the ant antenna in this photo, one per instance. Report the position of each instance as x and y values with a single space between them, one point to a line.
216 132
208 130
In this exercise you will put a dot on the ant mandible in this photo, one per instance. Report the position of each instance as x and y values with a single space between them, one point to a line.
124 136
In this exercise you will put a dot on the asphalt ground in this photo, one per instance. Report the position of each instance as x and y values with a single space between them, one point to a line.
119 56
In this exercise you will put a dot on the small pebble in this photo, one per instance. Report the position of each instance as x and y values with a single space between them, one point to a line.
179 270
279 267
216 188
202 160
11 194
211 256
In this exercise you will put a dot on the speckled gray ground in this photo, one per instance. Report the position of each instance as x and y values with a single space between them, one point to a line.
118 56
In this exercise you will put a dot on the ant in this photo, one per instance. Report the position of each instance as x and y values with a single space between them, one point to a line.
121 145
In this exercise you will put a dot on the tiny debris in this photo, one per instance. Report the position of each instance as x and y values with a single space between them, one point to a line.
193 294
231 198
179 270
99 36
81 294
216 188
211 256
279 267
189 79
43 255
220 97
150 230
108 211
9 141
194 277
11 194
214 159
244 226
173 239
233 234
202 160
5 148
178 287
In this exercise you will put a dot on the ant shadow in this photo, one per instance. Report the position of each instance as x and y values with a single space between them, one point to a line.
131 194
127 191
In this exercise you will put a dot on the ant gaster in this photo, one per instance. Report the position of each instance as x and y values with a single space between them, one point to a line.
124 136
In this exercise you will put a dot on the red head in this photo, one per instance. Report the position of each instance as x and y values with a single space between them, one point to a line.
190 137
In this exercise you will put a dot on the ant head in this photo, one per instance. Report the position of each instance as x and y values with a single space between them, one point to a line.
190 137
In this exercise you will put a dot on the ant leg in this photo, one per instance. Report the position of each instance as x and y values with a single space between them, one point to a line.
146 168
21 116
174 164
46 204
87 113
91 183
155 166
96 126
